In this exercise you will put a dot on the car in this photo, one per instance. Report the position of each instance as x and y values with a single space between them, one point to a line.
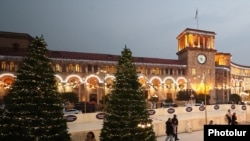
72 111
168 105
199 104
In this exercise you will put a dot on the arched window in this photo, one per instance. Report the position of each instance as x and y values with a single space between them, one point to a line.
12 66
77 68
3 65
58 68
71 68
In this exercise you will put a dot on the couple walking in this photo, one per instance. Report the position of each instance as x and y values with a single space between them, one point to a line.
231 118
172 128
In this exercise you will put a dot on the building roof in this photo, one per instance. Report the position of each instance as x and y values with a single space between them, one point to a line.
107 57
15 35
89 56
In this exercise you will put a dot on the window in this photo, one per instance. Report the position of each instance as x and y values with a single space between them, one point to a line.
171 72
193 71
166 71
95 68
89 68
77 68
83 69
112 69
71 68
12 66
179 72
183 71
3 65
138 70
153 71
58 68
143 70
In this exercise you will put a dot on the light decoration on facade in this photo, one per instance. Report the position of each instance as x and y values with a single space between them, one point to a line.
200 85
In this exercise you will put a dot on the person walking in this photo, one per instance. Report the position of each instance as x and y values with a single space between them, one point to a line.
90 136
229 117
169 130
234 119
211 122
175 125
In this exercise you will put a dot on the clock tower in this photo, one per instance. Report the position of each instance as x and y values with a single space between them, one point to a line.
196 50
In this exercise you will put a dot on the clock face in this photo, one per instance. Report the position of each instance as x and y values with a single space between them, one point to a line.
201 58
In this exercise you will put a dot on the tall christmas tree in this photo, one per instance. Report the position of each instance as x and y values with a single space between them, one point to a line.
126 116
33 111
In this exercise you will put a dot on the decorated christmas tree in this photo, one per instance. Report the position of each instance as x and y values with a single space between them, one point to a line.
33 111
126 117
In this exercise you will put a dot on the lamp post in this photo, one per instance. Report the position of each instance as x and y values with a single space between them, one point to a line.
85 103
175 95
155 99
79 91
205 98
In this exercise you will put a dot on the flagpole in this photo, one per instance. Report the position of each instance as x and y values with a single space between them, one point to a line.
196 17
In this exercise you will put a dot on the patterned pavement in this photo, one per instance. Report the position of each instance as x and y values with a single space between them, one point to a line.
195 135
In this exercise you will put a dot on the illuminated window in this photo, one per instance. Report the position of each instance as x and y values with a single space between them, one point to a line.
3 65
138 70
157 71
12 66
112 70
77 68
143 70
58 68
193 71
153 71
71 68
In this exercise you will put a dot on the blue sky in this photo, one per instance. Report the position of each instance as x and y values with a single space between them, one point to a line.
148 27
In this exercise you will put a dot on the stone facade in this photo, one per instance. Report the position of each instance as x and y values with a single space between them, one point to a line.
91 75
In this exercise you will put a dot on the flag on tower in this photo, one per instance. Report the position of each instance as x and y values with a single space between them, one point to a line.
196 14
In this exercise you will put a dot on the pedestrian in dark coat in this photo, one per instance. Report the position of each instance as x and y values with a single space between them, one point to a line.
175 123
229 117
234 119
169 130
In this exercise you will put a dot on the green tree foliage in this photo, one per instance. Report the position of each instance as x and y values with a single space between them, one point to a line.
69 97
185 95
201 98
33 110
126 108
235 98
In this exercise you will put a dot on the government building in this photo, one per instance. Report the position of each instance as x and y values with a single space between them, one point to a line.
199 67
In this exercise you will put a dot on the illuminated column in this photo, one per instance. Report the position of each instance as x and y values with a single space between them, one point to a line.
204 41
199 44
186 41
212 42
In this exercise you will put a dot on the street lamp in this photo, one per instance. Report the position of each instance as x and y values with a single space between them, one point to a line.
175 94
79 92
205 97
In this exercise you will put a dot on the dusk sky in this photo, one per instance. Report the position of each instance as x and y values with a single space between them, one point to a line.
148 27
